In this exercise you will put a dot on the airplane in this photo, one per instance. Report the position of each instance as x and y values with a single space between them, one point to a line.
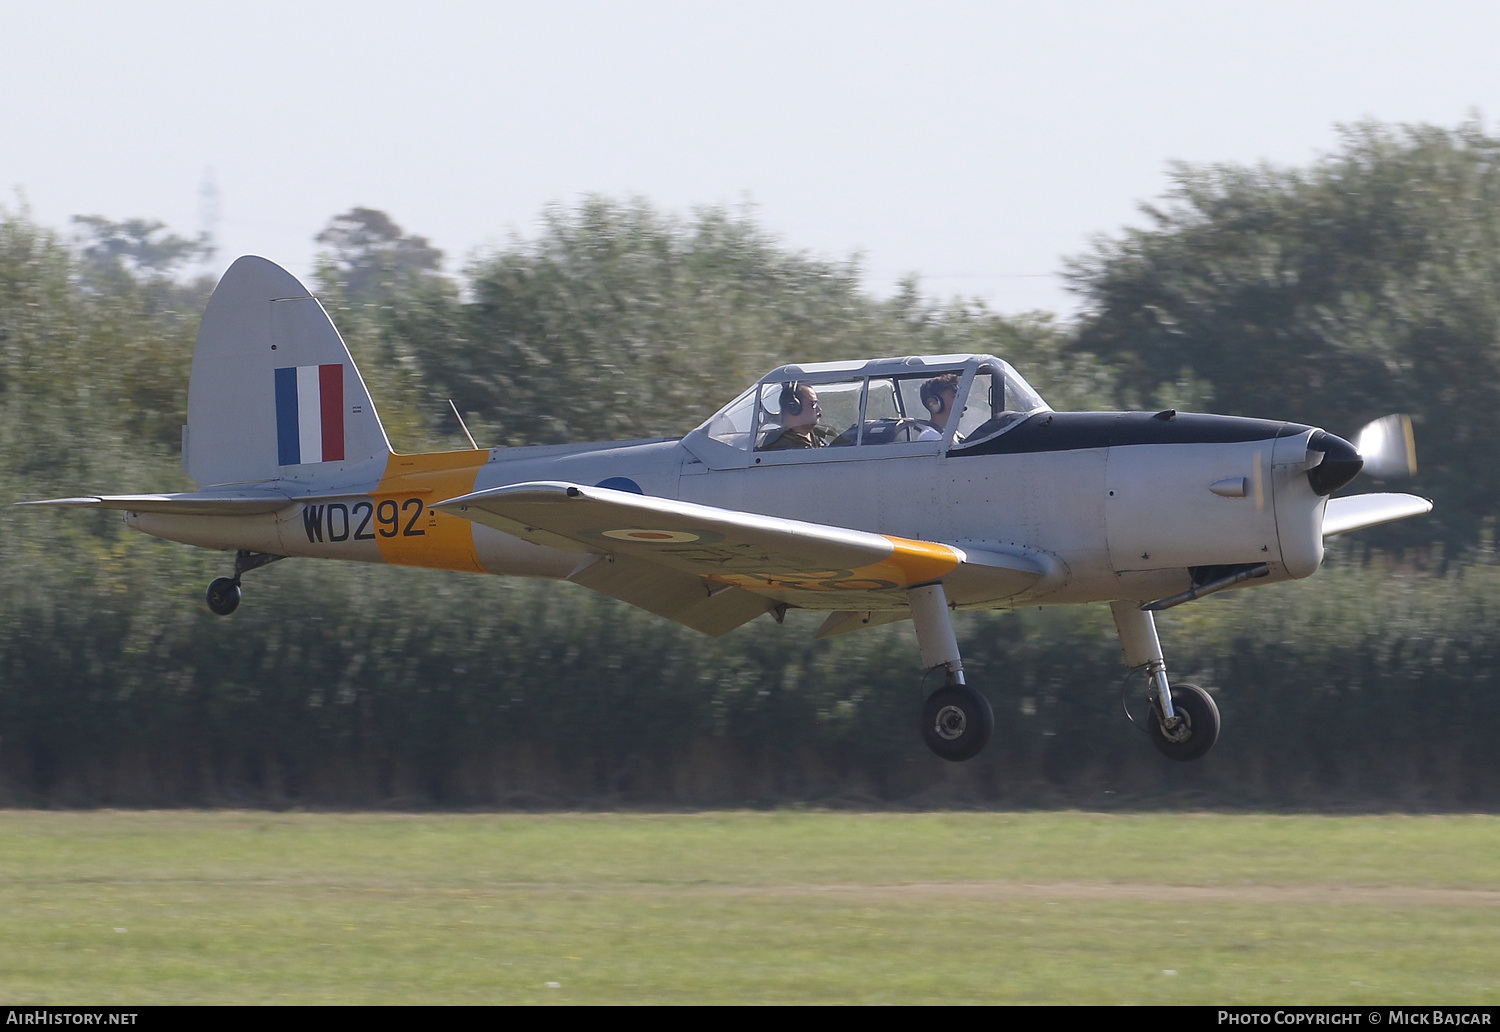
873 490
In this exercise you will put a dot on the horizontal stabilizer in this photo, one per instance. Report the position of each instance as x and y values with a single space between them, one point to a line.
1355 512
192 504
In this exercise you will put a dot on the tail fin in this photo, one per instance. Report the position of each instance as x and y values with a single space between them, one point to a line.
274 393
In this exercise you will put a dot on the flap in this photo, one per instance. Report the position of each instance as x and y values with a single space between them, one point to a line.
844 621
703 605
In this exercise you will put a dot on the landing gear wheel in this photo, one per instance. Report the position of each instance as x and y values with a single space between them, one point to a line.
224 596
1197 729
956 722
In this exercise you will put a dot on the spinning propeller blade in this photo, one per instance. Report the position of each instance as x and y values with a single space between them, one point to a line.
1388 447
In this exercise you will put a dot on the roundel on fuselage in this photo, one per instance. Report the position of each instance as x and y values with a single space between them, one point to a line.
621 484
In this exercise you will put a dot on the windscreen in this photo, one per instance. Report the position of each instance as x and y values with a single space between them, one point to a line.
998 399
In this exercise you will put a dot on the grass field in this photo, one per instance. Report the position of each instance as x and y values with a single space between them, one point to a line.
783 907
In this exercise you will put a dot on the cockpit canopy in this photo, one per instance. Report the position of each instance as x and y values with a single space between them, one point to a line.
937 402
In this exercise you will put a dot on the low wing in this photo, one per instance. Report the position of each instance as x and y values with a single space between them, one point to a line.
1355 512
759 562
244 503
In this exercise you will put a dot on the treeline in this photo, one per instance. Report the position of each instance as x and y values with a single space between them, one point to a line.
369 687
1330 294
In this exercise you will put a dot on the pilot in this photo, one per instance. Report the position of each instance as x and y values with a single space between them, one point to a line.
938 395
799 419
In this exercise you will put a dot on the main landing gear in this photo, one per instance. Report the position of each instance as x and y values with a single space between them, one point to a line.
1184 721
956 719
223 594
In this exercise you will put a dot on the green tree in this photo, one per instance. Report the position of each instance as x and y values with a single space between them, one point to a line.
137 247
93 367
368 257
618 321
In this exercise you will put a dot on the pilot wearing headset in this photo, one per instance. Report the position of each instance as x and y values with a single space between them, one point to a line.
938 395
799 419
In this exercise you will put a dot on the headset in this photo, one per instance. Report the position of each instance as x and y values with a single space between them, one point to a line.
791 402
933 390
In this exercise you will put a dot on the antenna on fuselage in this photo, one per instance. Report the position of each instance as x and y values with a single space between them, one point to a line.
462 425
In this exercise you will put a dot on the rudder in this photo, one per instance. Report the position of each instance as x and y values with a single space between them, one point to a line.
274 393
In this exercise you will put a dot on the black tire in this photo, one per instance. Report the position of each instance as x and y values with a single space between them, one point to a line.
223 596
956 722
1200 724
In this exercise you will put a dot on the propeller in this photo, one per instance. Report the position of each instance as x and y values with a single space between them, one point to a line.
1385 449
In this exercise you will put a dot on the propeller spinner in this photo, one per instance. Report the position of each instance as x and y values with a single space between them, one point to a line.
1386 449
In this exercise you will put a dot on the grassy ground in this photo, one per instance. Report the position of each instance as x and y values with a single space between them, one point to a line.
238 907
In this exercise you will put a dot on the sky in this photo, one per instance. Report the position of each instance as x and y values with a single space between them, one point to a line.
977 145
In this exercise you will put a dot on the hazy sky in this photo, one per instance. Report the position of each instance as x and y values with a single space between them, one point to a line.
976 144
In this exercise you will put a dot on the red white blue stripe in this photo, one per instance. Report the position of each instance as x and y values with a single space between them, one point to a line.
309 414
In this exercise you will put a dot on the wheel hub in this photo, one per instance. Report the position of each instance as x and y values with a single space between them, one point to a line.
950 723
1178 729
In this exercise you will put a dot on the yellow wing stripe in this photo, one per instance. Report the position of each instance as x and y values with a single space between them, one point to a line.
910 562
914 562
436 539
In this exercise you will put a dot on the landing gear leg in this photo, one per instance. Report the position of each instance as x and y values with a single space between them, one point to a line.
223 595
1184 718
956 719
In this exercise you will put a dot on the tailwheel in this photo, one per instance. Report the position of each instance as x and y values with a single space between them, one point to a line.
956 722
1195 728
223 595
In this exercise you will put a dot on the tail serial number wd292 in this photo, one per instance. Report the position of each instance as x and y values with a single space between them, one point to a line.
341 522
